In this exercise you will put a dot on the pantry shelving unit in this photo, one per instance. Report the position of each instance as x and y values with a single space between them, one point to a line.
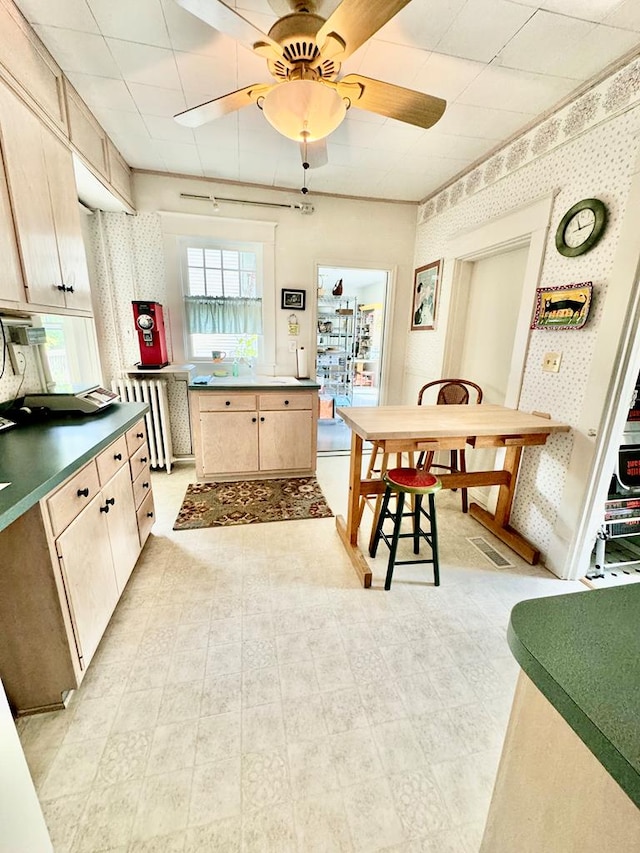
335 342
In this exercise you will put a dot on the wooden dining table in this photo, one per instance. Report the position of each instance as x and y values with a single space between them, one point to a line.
412 429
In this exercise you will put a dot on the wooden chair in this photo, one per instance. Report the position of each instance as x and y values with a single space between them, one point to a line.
450 392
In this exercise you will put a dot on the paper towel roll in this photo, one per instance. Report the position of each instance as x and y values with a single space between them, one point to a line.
302 369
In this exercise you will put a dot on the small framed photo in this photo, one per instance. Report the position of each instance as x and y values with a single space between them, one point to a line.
425 296
293 299
565 307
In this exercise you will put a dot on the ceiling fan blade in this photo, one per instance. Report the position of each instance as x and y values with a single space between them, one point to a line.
218 107
355 21
393 101
314 153
228 21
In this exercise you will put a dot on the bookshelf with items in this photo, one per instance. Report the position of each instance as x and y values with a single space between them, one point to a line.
336 316
367 344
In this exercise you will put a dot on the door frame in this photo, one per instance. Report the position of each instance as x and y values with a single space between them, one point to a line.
387 317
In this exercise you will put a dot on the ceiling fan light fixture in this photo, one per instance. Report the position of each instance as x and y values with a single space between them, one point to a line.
304 109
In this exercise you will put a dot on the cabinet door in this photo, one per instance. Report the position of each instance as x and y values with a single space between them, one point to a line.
286 441
123 526
229 442
29 192
87 569
11 283
66 221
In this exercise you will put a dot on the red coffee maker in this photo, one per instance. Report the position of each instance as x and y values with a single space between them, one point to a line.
151 337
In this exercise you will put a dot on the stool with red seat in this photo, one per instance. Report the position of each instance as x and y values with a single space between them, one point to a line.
418 483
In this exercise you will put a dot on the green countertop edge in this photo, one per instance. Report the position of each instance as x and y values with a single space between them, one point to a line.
239 384
133 412
587 730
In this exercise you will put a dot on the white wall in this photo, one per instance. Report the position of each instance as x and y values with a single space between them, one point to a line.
586 150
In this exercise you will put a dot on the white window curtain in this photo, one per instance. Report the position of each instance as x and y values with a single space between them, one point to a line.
207 315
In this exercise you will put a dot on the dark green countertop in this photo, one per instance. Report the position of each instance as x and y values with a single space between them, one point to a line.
582 651
251 383
36 458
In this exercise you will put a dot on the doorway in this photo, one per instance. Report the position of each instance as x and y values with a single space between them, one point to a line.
350 321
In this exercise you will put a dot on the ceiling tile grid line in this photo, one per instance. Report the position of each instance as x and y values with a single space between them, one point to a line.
503 66
615 95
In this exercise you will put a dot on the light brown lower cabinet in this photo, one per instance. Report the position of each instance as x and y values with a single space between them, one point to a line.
268 434
65 564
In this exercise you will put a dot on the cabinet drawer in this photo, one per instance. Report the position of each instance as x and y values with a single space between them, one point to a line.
112 459
142 485
72 497
139 460
136 436
146 517
227 402
282 401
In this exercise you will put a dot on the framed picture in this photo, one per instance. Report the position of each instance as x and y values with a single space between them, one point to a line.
425 296
293 299
565 307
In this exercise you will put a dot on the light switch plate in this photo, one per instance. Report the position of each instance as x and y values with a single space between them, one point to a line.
293 346
551 362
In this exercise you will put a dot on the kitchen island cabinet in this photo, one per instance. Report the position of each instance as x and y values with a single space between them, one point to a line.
248 429
569 776
70 535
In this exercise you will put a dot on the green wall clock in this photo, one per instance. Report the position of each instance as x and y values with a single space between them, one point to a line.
581 227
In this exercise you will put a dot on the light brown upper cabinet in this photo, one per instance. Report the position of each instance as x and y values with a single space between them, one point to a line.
86 135
28 62
119 172
45 208
11 283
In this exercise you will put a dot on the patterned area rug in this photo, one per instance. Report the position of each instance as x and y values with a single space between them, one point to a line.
251 502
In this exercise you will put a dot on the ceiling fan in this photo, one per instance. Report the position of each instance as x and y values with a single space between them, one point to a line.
304 53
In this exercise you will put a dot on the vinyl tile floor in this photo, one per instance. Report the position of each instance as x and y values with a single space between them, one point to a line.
249 695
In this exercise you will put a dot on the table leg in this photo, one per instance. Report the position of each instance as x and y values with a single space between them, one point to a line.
348 531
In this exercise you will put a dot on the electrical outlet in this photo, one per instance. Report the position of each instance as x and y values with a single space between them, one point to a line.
551 362
292 346
17 358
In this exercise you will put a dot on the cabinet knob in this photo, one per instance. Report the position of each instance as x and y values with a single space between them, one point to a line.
145 485
286 402
143 458
83 493
62 288
261 420
139 435
253 420
117 456
149 515
227 402
110 501
70 289
104 508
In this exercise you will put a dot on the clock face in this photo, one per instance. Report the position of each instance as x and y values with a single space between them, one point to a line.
581 227
145 322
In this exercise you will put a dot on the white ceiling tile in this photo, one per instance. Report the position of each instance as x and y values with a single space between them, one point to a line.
188 33
626 16
67 14
219 163
155 101
446 76
83 52
258 173
422 26
221 133
179 157
392 63
103 92
142 63
588 10
435 144
141 21
481 122
520 91
565 47
122 123
251 68
168 130
140 152
205 76
482 28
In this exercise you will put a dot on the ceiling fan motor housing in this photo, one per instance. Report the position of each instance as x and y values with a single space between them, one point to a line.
296 34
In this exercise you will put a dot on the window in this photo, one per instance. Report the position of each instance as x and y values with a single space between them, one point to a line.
223 298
